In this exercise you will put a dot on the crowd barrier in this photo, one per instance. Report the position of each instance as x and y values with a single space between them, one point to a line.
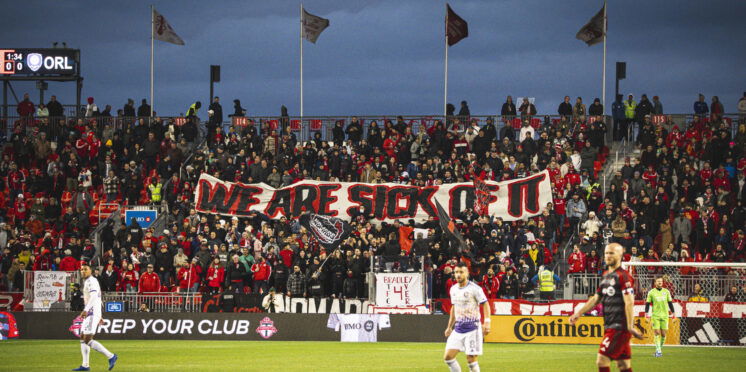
241 327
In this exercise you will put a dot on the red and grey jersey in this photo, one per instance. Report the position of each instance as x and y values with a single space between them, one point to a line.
614 286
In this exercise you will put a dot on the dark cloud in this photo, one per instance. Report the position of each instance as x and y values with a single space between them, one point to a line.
386 57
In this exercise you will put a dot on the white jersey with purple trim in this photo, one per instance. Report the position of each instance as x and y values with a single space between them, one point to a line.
92 296
465 303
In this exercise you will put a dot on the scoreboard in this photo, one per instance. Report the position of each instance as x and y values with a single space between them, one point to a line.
39 61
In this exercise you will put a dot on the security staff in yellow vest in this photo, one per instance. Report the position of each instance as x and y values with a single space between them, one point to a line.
630 107
547 281
155 189
193 109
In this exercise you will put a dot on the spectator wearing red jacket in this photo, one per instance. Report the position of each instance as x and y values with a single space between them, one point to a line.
129 279
287 256
189 276
215 276
261 271
69 263
149 281
25 108
576 261
490 284
592 262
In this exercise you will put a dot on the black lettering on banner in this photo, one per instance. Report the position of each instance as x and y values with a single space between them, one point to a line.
455 202
424 200
392 205
217 199
280 202
379 202
307 203
326 199
524 194
362 195
246 198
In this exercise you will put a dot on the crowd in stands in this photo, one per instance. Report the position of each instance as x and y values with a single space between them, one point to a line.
681 199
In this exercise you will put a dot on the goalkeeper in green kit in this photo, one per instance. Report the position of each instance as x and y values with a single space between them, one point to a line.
662 304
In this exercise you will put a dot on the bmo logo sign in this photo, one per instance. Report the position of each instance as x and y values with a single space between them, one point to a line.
144 218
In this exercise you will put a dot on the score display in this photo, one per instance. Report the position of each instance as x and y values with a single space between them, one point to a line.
38 61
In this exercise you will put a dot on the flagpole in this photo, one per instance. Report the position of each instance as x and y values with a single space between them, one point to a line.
301 60
603 78
445 86
152 36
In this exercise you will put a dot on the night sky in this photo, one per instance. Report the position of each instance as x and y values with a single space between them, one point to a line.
386 57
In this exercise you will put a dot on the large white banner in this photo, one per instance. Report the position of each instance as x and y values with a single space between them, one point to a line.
399 289
49 287
511 200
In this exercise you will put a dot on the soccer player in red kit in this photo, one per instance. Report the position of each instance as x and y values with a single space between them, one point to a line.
616 293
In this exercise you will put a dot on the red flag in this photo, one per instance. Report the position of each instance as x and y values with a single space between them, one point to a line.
456 27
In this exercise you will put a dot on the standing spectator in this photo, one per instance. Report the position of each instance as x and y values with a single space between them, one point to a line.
565 108
111 186
350 286
630 107
464 111
129 108
91 110
189 276
215 276
490 284
261 271
509 285
234 275
527 108
273 302
576 260
149 281
596 108
579 110
700 106
508 108
25 108
42 112
296 283
716 108
144 109
164 264
55 108
742 108
354 130
618 114
130 279
238 111
657 106
216 120
575 210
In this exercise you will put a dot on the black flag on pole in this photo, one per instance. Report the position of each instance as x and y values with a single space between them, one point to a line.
593 32
456 27
329 231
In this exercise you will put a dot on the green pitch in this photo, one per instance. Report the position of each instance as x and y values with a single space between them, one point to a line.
191 356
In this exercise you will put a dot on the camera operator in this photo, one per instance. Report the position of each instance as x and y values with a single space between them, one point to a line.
273 303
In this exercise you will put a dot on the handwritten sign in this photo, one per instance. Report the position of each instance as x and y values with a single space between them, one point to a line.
49 287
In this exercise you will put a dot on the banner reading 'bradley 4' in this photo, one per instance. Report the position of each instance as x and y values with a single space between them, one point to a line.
511 200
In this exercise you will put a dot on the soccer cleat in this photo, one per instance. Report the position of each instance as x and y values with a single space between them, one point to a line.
657 354
81 368
112 361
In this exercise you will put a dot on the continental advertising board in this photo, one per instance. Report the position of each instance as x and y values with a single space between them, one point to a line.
558 330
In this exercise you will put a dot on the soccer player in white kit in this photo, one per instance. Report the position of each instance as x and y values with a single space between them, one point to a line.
464 332
91 319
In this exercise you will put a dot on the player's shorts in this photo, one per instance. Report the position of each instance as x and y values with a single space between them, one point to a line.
615 345
90 324
659 323
470 342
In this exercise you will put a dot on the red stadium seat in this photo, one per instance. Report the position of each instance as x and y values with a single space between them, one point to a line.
315 124
295 125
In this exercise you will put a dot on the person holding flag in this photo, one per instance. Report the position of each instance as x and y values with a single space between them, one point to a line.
661 301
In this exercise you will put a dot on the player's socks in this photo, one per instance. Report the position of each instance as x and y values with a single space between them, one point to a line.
453 365
663 341
604 369
474 367
657 341
95 345
85 350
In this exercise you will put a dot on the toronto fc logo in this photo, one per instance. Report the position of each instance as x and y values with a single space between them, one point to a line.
266 328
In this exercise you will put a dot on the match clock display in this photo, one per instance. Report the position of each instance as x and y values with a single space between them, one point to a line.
38 61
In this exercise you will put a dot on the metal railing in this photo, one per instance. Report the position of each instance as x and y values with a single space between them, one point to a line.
715 286
172 302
